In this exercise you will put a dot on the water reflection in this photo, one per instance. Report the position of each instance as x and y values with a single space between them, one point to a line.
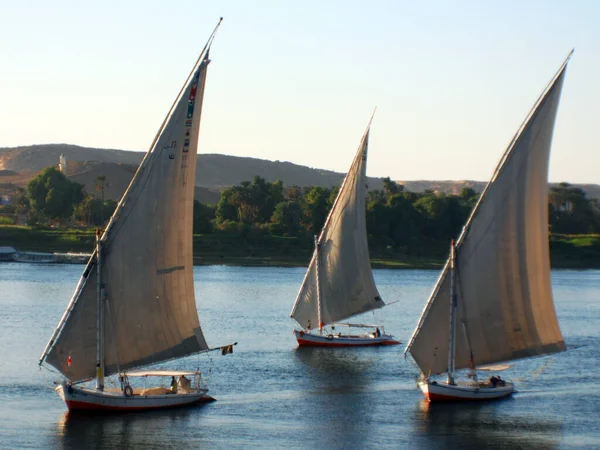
337 392
271 396
128 430
482 425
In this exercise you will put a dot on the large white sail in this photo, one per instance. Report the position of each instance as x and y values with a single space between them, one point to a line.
150 310
505 309
346 279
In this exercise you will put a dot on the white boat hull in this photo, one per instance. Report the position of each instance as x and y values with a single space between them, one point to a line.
435 391
81 399
307 339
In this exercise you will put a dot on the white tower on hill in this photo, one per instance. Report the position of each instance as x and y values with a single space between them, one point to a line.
62 164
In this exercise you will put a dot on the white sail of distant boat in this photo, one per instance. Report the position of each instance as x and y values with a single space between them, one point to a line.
134 304
493 300
339 281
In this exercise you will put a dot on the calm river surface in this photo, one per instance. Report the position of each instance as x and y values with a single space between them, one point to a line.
272 395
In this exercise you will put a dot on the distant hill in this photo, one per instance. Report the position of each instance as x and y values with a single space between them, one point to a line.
454 187
118 176
34 158
214 172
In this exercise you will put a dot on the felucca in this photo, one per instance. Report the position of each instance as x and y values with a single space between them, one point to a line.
493 300
134 304
339 281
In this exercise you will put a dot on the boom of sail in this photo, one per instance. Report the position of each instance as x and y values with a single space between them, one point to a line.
505 309
149 309
339 280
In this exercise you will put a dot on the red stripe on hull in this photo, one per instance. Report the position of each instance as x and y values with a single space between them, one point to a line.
74 405
304 343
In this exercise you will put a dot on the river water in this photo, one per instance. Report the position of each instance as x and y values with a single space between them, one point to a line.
272 395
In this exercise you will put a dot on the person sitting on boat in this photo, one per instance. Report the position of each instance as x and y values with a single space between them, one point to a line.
377 332
501 382
493 381
183 384
173 385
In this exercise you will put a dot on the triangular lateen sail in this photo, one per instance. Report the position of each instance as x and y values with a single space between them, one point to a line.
505 302
150 309
346 279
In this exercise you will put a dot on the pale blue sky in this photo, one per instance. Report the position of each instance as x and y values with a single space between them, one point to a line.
297 81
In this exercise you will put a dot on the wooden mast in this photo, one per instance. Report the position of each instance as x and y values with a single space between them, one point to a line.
100 318
318 269
453 304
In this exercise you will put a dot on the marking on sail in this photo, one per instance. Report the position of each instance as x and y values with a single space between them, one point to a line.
184 158
169 270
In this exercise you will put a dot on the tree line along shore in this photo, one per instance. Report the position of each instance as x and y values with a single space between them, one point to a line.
263 223
566 251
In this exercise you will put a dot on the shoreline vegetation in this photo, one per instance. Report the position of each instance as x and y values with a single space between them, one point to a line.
566 251
261 223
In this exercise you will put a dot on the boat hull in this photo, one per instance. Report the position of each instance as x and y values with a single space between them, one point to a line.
443 392
81 399
306 339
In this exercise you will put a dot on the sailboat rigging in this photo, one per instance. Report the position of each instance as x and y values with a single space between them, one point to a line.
134 304
339 281
493 300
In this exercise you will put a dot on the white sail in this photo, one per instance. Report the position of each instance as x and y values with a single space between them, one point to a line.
505 309
346 279
150 309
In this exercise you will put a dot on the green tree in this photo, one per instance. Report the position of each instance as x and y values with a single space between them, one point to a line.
333 193
468 197
101 184
203 216
295 193
287 217
247 205
226 210
250 202
91 211
570 211
391 187
51 195
315 208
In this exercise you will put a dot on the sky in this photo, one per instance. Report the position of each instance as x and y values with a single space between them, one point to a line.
297 81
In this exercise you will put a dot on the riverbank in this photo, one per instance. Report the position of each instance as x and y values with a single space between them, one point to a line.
567 251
